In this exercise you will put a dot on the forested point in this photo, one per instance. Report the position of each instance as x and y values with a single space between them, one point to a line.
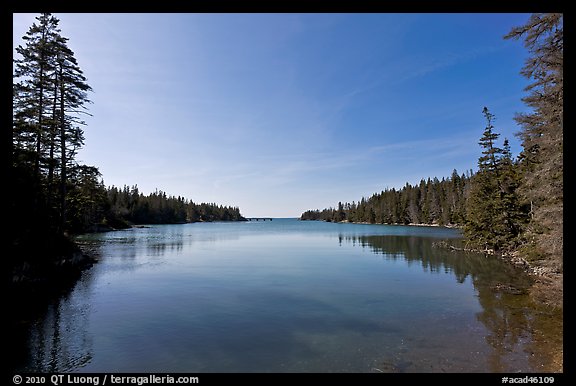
127 205
432 202
509 206
53 196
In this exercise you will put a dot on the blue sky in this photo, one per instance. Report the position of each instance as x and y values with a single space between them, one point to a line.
280 113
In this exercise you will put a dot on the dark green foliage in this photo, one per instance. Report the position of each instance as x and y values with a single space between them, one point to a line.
49 94
129 205
431 202
494 215
86 198
542 135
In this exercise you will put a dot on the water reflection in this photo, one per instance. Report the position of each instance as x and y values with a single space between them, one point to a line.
298 315
516 325
51 330
60 341
157 248
423 251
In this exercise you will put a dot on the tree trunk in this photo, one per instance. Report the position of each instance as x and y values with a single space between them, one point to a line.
52 160
63 175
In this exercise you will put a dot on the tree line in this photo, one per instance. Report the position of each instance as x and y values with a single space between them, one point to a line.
52 194
129 205
508 204
432 201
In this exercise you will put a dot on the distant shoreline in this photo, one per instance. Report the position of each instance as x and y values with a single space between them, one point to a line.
452 226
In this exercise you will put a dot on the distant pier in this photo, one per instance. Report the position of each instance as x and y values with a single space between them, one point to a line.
259 218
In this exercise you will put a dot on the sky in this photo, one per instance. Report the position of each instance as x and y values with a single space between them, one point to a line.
281 113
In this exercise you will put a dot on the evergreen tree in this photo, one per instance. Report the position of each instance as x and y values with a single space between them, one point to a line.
129 205
494 216
49 94
488 161
542 133
483 204
87 198
431 202
72 97
32 90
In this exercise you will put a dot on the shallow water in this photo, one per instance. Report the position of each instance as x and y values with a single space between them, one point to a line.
290 296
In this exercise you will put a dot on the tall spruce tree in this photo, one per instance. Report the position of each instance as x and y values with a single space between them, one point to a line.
542 134
49 94
32 96
72 97
482 204
32 91
494 216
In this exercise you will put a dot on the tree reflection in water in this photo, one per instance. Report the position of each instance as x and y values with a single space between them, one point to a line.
517 326
51 329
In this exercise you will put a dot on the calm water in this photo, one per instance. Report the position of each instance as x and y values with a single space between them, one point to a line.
288 296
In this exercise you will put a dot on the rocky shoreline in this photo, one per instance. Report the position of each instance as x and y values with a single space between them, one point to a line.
548 284
48 267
